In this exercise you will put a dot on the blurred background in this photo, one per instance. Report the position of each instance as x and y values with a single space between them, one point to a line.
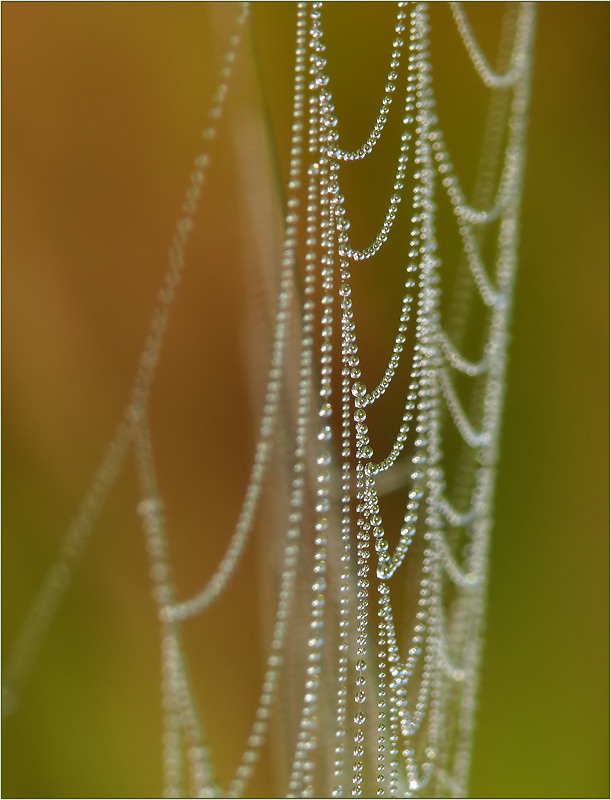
103 105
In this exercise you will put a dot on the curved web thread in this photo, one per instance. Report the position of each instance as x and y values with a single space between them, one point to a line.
401 694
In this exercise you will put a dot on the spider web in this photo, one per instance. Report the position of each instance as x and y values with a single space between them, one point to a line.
377 549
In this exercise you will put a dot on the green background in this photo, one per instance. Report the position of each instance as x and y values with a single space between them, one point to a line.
102 105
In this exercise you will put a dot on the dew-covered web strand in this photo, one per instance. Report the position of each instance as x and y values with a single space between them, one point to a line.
28 643
183 738
518 59
25 650
401 693
223 573
389 90
464 290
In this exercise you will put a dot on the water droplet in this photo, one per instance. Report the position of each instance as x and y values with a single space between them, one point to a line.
359 718
325 410
360 697
344 289
149 506
324 433
359 390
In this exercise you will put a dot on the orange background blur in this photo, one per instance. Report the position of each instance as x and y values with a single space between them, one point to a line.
102 108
